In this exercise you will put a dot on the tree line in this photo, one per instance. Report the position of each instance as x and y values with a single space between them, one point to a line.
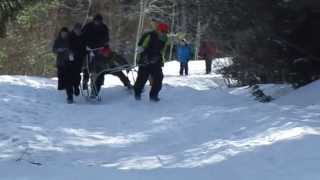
269 41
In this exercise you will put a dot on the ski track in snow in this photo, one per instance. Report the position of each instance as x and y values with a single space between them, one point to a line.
200 129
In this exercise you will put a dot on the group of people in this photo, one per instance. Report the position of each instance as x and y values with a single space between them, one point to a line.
72 48
184 53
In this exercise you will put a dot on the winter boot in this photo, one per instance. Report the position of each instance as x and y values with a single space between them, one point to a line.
154 98
137 97
76 91
70 100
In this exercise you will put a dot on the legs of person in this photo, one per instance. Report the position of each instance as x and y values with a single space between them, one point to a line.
181 68
123 78
186 68
60 74
76 79
143 75
78 74
208 65
157 76
85 72
98 83
69 92
85 79
69 83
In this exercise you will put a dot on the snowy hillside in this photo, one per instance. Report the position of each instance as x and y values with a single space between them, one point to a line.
199 130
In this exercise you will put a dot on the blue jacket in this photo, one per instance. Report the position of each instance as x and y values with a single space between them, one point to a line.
184 53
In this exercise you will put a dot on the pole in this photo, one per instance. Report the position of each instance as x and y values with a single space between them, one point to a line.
172 29
139 31
198 38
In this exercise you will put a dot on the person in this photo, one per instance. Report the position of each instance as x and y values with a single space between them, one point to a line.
111 60
96 35
152 47
65 64
184 53
78 49
207 51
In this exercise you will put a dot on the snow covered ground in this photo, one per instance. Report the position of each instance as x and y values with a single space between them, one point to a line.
200 130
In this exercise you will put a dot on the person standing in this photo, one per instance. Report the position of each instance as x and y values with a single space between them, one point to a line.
96 35
207 51
184 53
152 47
78 49
65 64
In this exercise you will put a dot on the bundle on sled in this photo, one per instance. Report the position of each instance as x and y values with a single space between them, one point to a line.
103 61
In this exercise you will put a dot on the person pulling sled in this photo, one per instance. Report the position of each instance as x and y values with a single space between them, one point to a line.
152 47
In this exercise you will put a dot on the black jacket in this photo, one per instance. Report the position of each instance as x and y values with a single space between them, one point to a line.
61 48
96 35
77 45
154 48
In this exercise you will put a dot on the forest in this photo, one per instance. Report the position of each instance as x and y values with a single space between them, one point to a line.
269 41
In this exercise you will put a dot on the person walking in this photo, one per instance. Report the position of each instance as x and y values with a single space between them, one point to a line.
152 47
66 68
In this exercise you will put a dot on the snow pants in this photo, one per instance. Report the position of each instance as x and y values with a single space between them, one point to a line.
184 68
153 70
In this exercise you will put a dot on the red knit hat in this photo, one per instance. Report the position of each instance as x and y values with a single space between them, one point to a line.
105 51
163 27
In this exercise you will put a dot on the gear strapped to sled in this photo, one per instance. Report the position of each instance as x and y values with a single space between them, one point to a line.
98 64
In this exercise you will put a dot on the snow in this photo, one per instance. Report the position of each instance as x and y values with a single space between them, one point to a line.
199 130
308 95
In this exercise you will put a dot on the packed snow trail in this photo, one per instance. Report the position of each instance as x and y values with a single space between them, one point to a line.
199 130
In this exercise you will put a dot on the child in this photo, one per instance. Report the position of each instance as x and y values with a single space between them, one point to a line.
184 53
110 60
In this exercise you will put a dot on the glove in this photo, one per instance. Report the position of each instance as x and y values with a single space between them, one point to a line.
71 57
61 49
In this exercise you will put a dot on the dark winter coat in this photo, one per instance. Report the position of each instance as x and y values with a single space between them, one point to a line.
154 48
207 50
96 35
61 48
77 45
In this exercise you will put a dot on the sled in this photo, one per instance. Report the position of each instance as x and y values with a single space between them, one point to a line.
97 65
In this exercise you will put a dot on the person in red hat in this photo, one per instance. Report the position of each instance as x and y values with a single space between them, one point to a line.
152 47
111 60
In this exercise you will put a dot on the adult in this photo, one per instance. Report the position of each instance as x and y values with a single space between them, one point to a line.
152 47
96 35
78 49
208 51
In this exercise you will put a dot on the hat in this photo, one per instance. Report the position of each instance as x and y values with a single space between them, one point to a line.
105 51
163 27
98 17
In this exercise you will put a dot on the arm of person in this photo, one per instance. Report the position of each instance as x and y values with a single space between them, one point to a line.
106 35
56 47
